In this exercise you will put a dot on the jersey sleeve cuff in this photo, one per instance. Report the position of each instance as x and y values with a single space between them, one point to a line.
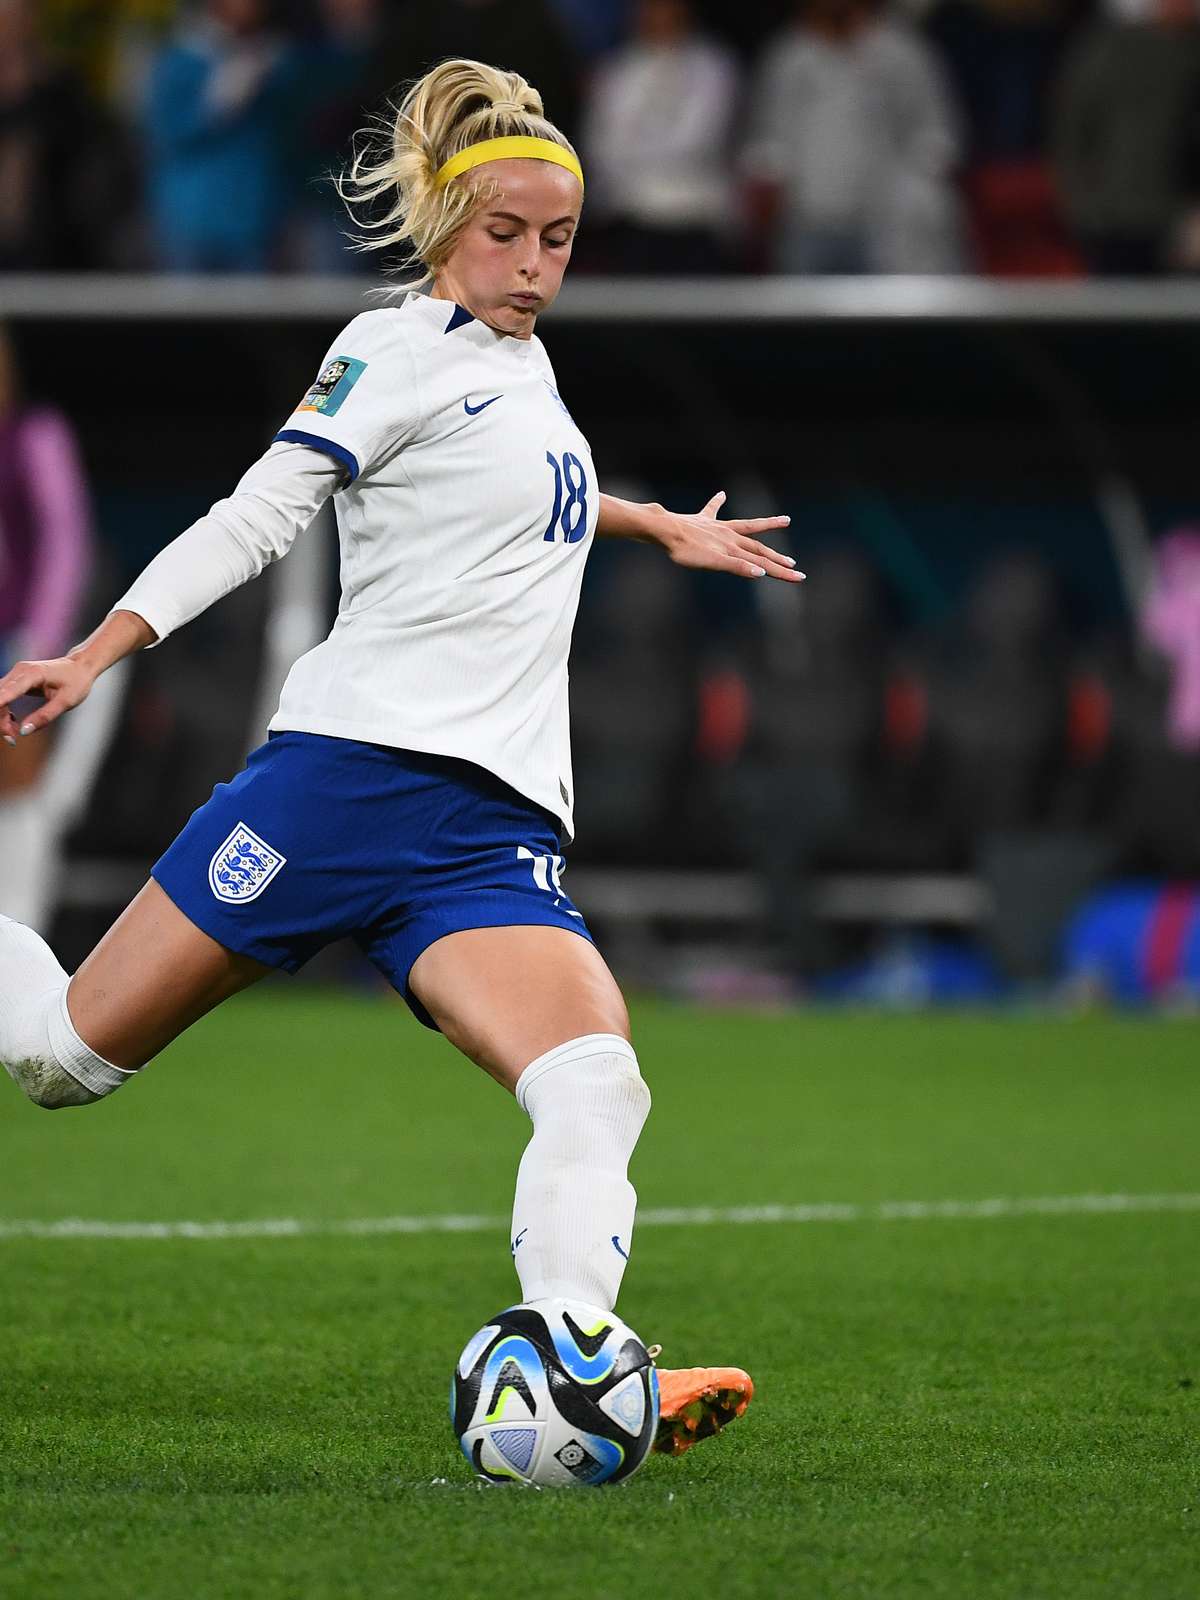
339 453
162 627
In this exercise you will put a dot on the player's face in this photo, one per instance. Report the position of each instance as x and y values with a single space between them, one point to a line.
509 260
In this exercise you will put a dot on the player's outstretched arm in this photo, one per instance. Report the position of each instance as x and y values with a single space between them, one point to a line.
701 539
275 500
67 680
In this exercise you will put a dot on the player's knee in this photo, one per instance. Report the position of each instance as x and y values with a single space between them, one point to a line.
26 1030
596 1077
47 1058
614 1079
49 1097
637 1092
29 1055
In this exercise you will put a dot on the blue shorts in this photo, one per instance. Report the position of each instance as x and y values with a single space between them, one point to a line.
320 838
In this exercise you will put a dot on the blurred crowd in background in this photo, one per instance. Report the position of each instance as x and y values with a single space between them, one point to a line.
1045 138
1030 779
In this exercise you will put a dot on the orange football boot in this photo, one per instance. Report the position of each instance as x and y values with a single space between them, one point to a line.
696 1402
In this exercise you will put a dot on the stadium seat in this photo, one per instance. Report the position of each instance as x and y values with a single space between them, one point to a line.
1150 794
801 795
998 704
632 705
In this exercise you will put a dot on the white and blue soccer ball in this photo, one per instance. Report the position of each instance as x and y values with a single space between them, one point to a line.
555 1393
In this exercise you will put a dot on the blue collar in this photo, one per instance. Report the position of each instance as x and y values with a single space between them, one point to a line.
458 318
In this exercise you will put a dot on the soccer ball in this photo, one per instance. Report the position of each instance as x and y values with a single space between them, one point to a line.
555 1393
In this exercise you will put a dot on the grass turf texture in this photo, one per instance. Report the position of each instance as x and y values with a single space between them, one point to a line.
959 1408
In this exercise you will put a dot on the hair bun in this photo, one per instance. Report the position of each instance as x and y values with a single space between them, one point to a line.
393 174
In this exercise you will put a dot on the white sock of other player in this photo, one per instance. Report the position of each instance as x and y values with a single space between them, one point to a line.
38 1042
27 857
573 1212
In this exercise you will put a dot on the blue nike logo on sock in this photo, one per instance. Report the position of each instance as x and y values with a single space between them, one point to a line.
473 411
617 1245
517 1241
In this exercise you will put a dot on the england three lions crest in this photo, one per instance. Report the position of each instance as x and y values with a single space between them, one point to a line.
243 866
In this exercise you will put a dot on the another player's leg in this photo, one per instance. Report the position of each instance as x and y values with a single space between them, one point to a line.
72 1040
27 860
538 1009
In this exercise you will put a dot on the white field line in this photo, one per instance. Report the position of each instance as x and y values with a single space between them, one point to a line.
1062 1205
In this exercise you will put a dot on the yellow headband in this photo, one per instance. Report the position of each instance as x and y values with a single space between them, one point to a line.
503 150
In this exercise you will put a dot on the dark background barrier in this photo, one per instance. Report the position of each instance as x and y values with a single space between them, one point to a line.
954 711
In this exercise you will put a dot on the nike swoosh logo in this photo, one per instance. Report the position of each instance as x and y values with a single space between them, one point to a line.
473 411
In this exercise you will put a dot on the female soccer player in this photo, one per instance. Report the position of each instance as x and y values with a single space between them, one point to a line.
417 775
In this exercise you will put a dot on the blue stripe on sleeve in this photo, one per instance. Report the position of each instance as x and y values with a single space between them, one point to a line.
340 454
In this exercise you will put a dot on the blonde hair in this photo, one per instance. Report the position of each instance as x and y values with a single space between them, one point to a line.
456 104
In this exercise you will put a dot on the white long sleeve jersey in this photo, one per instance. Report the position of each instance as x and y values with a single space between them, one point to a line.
466 504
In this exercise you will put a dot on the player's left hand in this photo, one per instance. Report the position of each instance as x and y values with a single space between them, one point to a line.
703 540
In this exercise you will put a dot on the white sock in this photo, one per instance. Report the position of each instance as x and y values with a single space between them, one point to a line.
573 1213
38 1041
28 849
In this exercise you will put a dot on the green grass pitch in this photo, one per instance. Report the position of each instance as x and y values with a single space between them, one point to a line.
968 1407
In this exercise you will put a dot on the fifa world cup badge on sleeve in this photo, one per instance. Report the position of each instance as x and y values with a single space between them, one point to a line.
335 382
243 866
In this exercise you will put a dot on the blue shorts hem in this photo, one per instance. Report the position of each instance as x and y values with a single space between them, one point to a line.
396 955
321 838
210 921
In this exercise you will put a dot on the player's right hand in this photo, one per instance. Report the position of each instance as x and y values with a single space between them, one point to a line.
63 682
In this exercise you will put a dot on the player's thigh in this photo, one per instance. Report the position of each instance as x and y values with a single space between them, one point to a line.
152 975
505 996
